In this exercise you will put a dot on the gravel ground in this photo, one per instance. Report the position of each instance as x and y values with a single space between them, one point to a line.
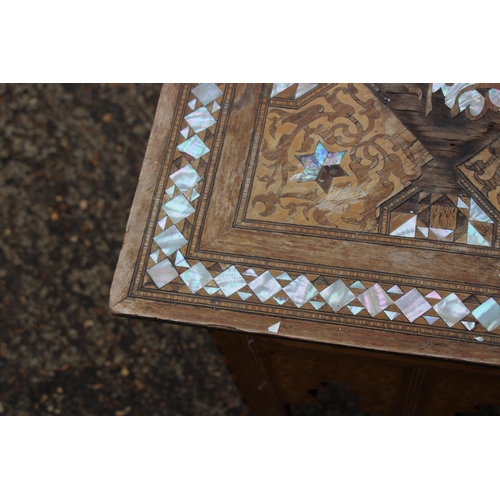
70 160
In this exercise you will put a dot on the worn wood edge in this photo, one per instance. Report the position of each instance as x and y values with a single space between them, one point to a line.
303 330
396 358
270 246
231 164
146 187
249 372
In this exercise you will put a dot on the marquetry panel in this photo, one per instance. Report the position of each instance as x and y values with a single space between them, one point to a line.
402 260
483 171
333 161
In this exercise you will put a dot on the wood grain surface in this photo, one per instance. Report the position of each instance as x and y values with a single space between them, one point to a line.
273 374
448 265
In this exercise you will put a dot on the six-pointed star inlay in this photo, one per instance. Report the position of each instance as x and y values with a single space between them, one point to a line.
322 166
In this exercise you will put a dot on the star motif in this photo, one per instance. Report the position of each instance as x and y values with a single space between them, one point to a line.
322 166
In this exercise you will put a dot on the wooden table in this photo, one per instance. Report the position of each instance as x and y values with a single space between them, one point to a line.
327 232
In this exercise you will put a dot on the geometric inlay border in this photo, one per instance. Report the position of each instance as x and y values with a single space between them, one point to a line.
168 271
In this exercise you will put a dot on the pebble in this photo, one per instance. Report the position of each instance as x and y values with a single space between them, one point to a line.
88 323
139 385
125 411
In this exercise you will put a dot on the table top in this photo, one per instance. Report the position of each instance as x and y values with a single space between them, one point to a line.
363 215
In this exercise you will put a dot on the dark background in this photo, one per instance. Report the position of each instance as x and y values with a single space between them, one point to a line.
70 159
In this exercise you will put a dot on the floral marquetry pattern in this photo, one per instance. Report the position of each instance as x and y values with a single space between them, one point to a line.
333 162
171 269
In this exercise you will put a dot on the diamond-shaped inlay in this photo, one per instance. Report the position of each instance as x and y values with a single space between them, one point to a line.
178 208
469 325
170 240
392 314
279 87
155 256
162 273
355 309
185 178
300 291
375 299
274 328
194 147
303 88
265 286
230 281
207 92
196 277
406 230
476 213
250 272
170 191
337 295
317 305
413 305
194 195
180 261
280 300
200 119
474 237
451 309
163 222
358 285
431 319
488 314
179 258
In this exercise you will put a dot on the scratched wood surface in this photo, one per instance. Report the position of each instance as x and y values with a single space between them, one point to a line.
387 238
